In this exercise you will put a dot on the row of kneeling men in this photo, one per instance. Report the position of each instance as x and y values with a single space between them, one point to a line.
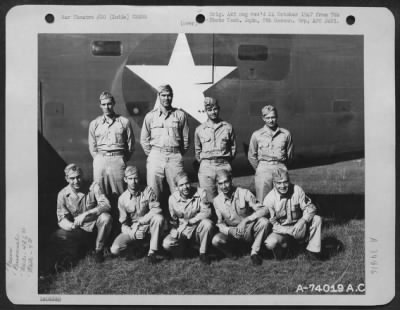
285 214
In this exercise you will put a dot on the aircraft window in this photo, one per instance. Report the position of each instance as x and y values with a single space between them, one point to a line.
137 108
106 48
253 52
342 105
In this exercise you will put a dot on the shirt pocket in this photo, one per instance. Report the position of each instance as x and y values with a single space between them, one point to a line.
206 142
264 146
156 129
296 211
119 133
173 130
242 207
224 142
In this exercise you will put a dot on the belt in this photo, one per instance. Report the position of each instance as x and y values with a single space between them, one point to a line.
116 153
216 160
167 149
271 162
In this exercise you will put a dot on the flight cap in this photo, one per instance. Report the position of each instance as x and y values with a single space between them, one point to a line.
210 102
131 170
164 87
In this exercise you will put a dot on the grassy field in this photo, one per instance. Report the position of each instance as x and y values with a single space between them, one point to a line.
336 189
224 276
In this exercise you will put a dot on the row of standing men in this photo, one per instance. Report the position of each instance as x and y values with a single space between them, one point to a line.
164 138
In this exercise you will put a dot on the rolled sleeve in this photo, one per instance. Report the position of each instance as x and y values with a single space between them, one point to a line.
123 216
174 220
62 211
233 144
154 207
290 149
223 228
259 210
197 144
145 135
92 139
103 205
306 205
130 141
205 209
252 153
185 133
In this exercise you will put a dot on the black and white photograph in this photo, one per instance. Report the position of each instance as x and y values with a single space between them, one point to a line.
221 163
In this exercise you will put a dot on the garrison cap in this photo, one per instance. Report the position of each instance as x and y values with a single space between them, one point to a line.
130 170
180 176
72 168
280 174
210 102
106 95
164 87
224 173
268 109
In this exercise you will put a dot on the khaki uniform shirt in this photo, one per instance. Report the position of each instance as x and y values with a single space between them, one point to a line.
70 205
161 130
286 210
111 137
271 146
141 204
195 209
215 141
232 210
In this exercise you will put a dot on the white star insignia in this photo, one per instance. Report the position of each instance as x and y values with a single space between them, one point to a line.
187 80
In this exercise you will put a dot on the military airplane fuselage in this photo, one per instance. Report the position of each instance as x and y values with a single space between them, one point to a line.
315 82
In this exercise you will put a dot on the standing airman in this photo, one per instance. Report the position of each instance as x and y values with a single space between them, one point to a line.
270 148
111 144
215 147
164 138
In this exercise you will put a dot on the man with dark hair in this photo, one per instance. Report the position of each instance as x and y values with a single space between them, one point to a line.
111 144
80 213
164 138
239 218
190 212
215 147
270 148
293 215
139 214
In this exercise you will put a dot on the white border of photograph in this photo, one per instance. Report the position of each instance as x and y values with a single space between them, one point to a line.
24 23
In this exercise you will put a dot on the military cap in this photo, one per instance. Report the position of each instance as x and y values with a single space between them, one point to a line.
106 95
164 87
130 170
268 109
210 102
72 167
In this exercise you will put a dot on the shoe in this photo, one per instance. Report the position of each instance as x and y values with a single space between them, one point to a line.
205 259
256 259
99 256
151 259
315 256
